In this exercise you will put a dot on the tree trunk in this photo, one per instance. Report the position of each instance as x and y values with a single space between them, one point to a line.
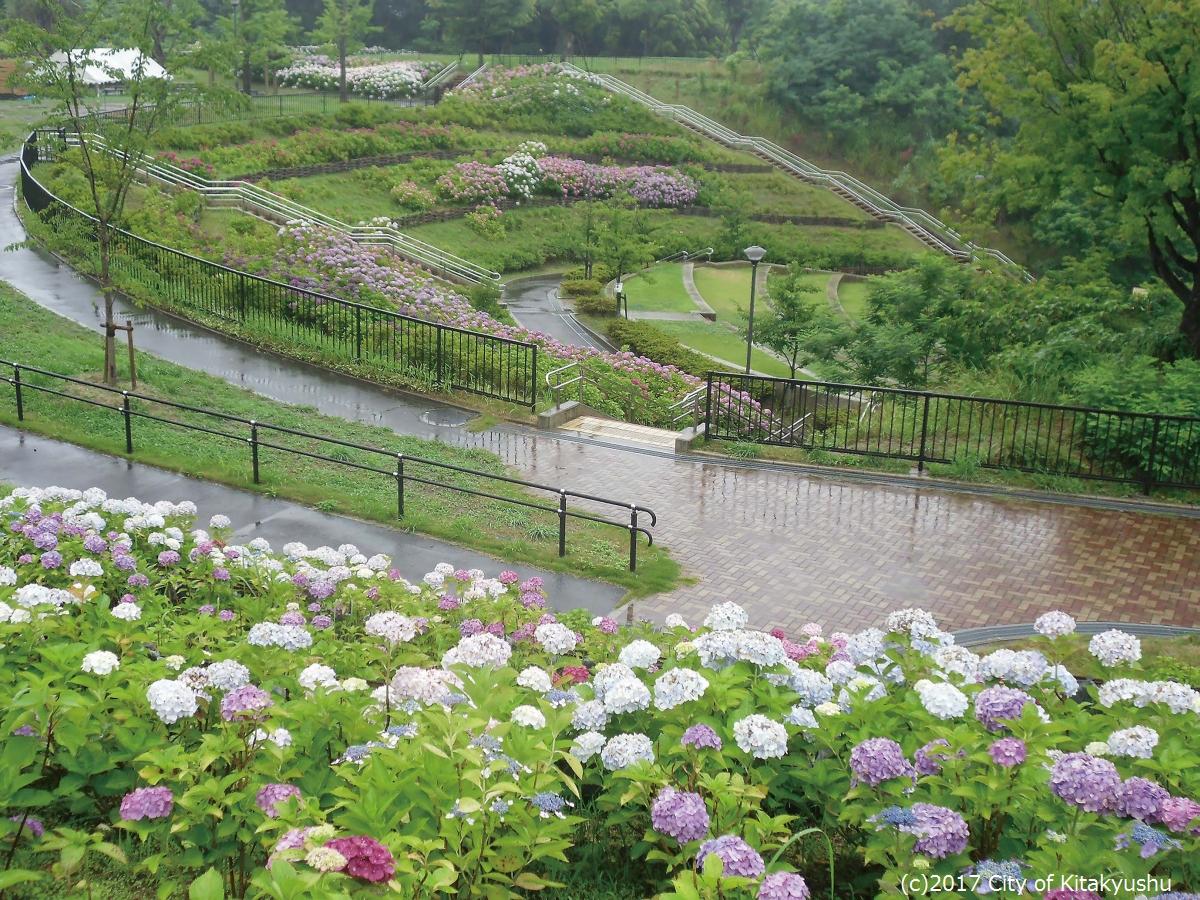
247 73
343 96
110 331
1189 325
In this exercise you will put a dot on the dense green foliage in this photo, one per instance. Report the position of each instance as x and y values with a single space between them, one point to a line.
646 340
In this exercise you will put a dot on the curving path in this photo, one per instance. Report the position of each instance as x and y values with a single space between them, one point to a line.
535 303
791 545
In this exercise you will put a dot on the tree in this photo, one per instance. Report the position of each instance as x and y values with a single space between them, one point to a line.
1099 98
65 58
623 244
345 23
790 319
573 19
482 25
257 30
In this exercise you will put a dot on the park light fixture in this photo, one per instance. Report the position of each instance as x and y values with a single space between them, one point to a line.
755 254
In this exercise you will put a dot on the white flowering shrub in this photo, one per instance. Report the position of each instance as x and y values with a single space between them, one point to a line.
314 722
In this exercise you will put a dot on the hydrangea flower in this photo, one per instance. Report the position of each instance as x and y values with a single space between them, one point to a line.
702 737
623 750
245 702
877 760
1179 813
783 886
479 651
1085 781
587 745
996 705
100 662
271 795
227 674
1054 624
1007 752
761 737
625 696
549 804
680 815
555 638
1137 742
317 675
941 699
941 832
1140 798
147 803
639 654
366 858
1114 648
589 716
529 716
737 857
325 859
726 617
536 679
171 700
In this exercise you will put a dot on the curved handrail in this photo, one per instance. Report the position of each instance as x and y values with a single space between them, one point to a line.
255 200
931 230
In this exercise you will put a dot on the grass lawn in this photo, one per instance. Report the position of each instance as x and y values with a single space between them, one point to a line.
853 297
17 119
718 340
659 289
726 289
775 192
37 337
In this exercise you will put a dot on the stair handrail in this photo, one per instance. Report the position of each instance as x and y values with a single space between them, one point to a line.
440 75
928 227
470 78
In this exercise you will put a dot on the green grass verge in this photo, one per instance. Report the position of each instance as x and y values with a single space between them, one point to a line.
721 341
659 289
853 297
37 337
726 289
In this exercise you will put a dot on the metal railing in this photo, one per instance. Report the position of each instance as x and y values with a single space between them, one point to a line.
254 200
259 436
684 256
1147 449
928 228
470 78
441 76
457 358
558 380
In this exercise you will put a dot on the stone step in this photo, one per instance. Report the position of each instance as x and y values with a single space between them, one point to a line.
621 432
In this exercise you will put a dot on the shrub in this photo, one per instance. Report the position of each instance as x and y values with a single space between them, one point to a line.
646 340
578 287
412 196
596 304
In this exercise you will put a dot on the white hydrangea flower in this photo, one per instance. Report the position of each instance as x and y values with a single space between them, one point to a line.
761 737
587 745
280 737
171 700
555 638
126 612
716 649
609 674
802 717
915 622
726 617
589 716
955 660
227 674
840 671
1114 648
639 654
219 521
6 612
813 687
317 675
626 695
1137 742
478 651
623 750
675 620
1028 668
677 686
1096 748
86 568
354 684
175 662
529 716
1054 624
535 679
827 709
760 648
101 662
8 577
864 646
941 699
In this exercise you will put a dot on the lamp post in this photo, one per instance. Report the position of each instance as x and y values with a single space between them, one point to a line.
619 290
238 75
754 253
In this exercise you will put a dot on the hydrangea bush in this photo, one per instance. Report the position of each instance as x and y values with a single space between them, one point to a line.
378 81
312 723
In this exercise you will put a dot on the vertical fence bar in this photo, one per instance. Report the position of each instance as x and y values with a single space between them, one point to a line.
562 523
17 388
633 533
440 360
399 485
924 431
128 421
254 448
708 407
533 389
358 332
1148 484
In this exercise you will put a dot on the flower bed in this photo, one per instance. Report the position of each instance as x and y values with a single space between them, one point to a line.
309 722
379 81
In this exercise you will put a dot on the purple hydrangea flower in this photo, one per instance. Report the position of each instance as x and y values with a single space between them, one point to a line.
207 609
168 558
1140 798
137 580
124 563
221 574
32 825
93 543
147 803
273 794
470 627
244 703
996 705
877 760
929 760
1177 813
292 618
783 886
702 737
321 622
739 858
225 615
1085 781
680 815
941 832
1008 752
51 559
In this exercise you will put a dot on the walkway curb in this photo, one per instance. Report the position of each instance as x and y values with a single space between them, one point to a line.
990 634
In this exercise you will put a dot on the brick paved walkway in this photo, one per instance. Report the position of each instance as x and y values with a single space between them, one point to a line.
793 547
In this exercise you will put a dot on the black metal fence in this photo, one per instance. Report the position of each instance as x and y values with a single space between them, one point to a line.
259 438
341 330
266 106
1146 449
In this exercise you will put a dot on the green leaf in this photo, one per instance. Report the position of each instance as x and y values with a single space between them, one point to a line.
17 876
207 887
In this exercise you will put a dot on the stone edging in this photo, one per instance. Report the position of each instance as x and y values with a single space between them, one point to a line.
969 637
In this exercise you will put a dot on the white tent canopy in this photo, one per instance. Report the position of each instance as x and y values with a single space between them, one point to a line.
107 66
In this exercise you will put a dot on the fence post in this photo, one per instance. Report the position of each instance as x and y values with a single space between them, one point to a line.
441 332
254 448
708 406
399 485
633 533
533 388
1148 482
358 332
17 387
242 297
924 430
562 523
128 421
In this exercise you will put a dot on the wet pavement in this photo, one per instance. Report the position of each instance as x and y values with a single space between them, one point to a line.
791 545
535 303
32 460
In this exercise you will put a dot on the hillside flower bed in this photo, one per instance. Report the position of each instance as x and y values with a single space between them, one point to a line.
319 723
378 81
530 171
